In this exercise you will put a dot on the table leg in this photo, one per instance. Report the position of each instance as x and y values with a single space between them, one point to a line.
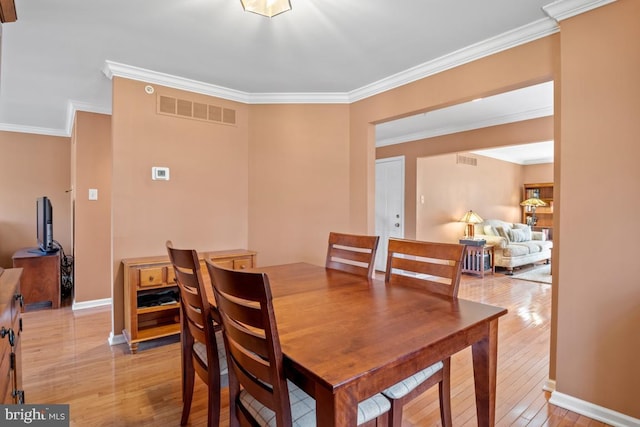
485 355
339 409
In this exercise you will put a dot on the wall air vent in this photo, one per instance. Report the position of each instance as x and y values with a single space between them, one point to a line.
185 108
466 160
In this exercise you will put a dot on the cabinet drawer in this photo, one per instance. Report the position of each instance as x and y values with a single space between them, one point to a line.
242 263
171 276
150 276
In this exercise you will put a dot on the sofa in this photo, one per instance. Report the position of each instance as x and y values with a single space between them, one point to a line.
514 244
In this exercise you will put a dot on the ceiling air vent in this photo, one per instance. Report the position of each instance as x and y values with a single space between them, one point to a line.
466 160
185 108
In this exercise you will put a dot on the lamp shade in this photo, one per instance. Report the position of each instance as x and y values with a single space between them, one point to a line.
471 218
268 8
533 202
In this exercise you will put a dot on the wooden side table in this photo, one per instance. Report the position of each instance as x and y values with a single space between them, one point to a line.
40 282
474 260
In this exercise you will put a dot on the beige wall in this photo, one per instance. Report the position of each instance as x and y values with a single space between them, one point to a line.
599 291
492 189
205 203
32 166
539 173
91 168
299 175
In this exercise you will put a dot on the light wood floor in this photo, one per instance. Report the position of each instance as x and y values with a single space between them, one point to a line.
66 359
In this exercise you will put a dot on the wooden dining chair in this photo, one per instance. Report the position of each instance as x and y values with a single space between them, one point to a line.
352 253
436 268
259 393
202 352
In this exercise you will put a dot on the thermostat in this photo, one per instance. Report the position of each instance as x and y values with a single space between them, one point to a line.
159 173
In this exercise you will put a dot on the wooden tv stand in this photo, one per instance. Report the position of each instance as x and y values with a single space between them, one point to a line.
40 282
152 275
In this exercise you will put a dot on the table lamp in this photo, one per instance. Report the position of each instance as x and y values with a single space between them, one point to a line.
471 218
533 203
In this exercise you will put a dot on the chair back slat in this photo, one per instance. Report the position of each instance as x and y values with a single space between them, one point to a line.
244 329
352 253
435 267
194 304
251 339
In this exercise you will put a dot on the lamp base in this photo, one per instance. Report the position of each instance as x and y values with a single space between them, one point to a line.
470 231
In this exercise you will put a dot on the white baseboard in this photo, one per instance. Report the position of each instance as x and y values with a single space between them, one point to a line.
595 412
90 304
549 385
116 339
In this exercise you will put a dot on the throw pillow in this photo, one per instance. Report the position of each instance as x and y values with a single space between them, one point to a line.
526 229
516 235
490 230
503 233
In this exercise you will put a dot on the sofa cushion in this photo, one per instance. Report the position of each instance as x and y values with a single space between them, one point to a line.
503 232
515 250
490 230
543 244
516 235
525 229
498 223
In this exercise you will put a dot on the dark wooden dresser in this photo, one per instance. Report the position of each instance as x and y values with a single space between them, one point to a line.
10 331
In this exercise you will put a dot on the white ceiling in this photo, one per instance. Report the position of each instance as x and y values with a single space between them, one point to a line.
55 55
528 154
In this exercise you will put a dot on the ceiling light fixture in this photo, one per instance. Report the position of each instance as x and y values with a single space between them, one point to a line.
269 8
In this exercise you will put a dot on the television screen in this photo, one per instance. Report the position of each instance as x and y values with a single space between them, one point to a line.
44 224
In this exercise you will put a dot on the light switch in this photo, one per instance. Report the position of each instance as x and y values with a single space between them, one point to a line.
93 194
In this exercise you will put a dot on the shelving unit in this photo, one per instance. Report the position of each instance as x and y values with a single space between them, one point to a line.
153 275
544 214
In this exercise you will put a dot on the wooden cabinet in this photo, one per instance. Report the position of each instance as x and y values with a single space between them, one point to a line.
544 214
151 297
10 336
40 282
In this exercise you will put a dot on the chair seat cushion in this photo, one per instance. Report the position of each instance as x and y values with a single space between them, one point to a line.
201 351
303 408
405 386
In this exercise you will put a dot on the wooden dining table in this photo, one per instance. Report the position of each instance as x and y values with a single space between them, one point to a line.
346 338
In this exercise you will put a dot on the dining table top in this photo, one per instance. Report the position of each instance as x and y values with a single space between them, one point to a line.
343 325
346 337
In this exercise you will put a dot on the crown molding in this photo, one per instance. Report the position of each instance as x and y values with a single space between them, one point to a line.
8 127
299 98
494 121
525 34
114 69
563 9
74 106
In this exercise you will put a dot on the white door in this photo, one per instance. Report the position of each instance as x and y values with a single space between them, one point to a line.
389 204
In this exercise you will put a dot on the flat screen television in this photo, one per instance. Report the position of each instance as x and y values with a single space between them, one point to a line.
44 225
